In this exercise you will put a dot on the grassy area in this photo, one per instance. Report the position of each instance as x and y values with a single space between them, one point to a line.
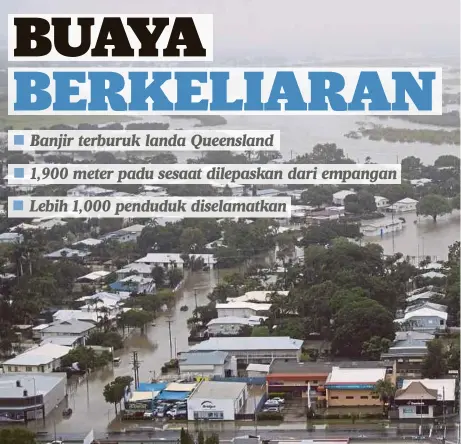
37 122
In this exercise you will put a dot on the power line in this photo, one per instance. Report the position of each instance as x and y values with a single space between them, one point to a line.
136 364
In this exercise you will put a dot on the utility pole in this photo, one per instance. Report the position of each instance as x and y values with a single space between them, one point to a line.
195 297
444 436
171 343
135 362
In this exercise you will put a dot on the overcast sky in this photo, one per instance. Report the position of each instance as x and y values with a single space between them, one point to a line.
307 27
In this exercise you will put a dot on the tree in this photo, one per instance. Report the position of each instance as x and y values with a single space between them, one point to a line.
260 331
435 364
386 392
158 276
192 240
373 348
200 438
433 205
317 195
17 436
185 437
175 276
455 202
362 202
114 392
135 318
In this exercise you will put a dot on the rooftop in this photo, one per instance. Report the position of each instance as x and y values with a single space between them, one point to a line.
342 375
67 341
219 390
41 355
94 276
249 343
415 390
259 296
439 385
242 305
40 383
229 320
73 326
66 252
203 358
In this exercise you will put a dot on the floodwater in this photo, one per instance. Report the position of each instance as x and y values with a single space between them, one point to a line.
86 400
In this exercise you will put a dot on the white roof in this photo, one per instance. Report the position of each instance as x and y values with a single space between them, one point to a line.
356 375
432 275
163 258
260 296
176 387
39 355
64 315
406 200
210 390
249 343
242 305
380 198
436 384
343 194
229 320
138 268
95 275
88 242
432 266
423 312
142 396
424 295
263 368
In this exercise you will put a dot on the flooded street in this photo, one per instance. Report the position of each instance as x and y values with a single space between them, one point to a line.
89 407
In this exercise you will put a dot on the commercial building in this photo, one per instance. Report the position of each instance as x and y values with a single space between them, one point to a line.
42 359
28 396
253 349
425 398
215 363
381 227
352 387
213 400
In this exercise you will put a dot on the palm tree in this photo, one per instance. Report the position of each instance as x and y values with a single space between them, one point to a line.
386 392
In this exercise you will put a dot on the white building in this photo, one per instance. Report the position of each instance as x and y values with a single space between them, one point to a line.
231 325
257 296
340 196
403 205
254 349
426 318
69 327
242 309
11 238
207 364
381 227
90 191
381 202
28 396
42 359
258 370
143 270
127 234
214 400
174 260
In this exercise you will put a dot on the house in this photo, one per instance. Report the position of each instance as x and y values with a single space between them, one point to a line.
381 202
340 196
423 296
242 309
259 296
47 223
30 396
174 260
67 341
67 253
79 315
11 238
426 398
207 364
325 215
381 227
88 242
232 325
432 275
127 234
69 327
425 318
258 370
143 270
134 284
408 351
96 277
403 206
84 191
253 349
420 182
237 189
42 359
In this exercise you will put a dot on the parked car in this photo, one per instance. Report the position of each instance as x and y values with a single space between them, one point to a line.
271 409
279 400
271 403
176 413
161 411
148 415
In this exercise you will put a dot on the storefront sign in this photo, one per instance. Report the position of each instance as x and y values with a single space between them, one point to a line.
208 405
350 386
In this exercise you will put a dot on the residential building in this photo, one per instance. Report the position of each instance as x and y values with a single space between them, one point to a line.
134 284
232 325
30 396
325 215
67 341
79 315
11 238
90 191
95 278
381 202
207 364
253 349
340 196
242 309
69 327
127 234
216 400
426 318
352 387
42 359
380 227
237 189
403 206
174 260
420 182
422 296
257 296
88 242
425 398
143 270
67 253
408 351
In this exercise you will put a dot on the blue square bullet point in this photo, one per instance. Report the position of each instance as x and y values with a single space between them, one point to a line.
19 139
18 205
19 173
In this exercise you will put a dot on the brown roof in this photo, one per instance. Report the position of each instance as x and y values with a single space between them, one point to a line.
416 390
